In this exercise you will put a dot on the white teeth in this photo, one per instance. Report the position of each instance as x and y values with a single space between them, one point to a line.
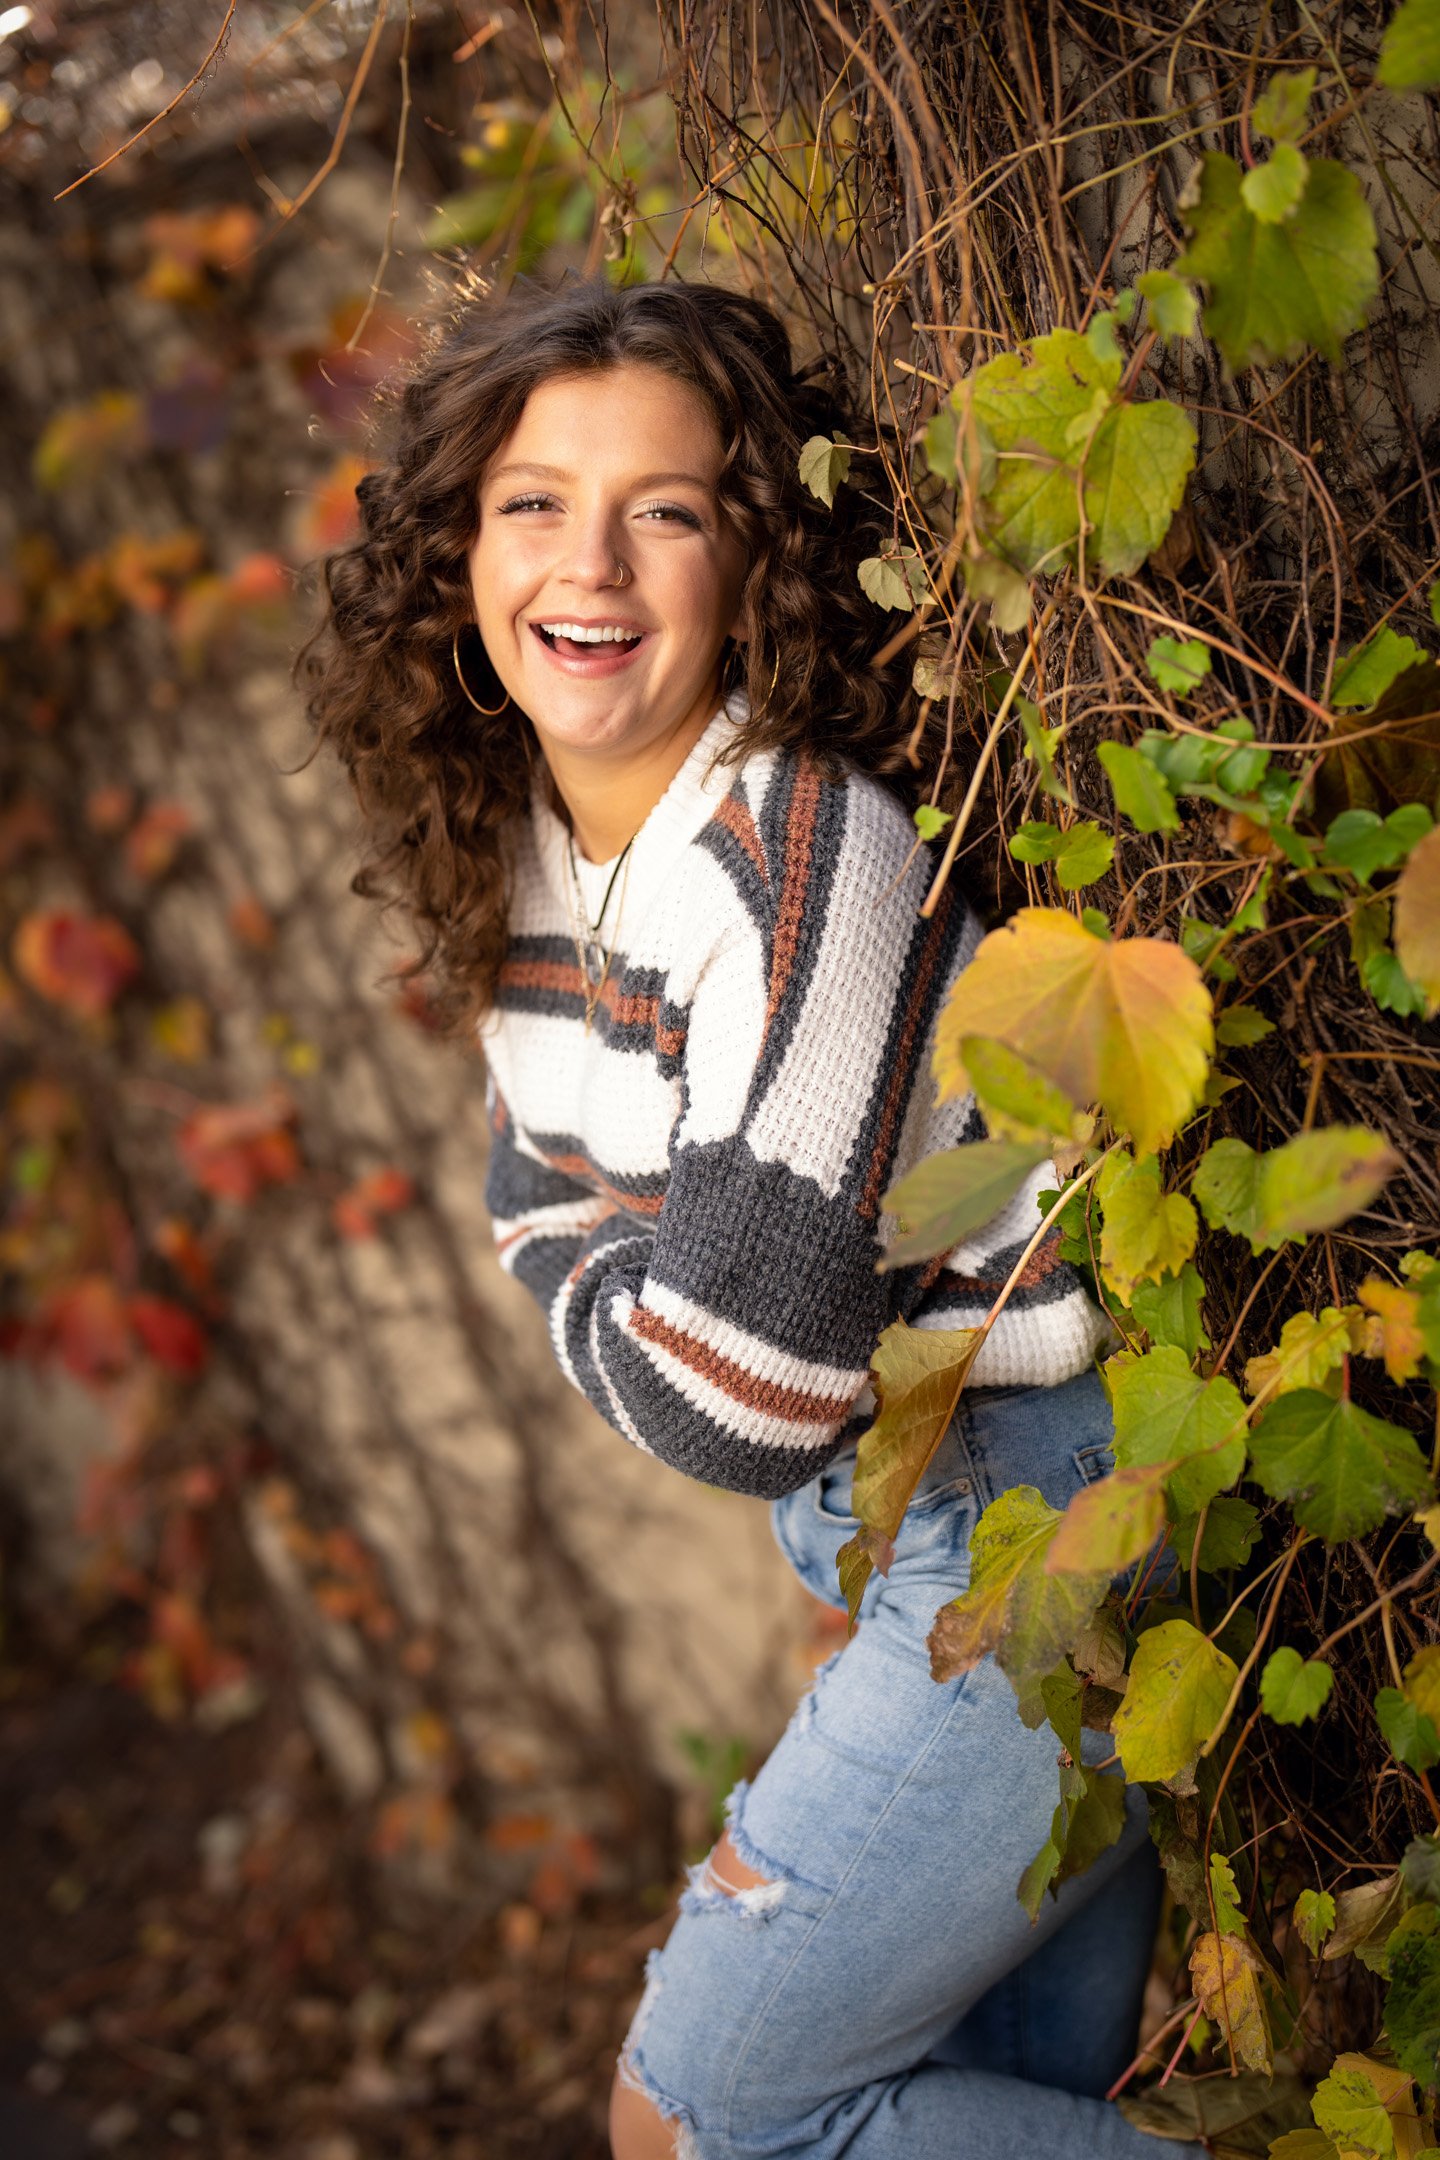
574 631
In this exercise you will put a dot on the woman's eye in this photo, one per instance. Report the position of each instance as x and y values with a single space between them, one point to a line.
662 510
674 510
524 502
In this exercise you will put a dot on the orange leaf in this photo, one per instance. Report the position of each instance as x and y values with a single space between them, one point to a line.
82 962
1402 1341
107 809
178 1244
233 1149
250 923
331 515
84 1324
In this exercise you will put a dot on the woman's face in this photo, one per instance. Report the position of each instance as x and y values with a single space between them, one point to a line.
604 468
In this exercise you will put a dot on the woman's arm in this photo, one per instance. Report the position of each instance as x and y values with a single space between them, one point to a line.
541 1216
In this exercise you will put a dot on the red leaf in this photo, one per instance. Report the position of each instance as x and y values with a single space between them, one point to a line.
84 1324
82 962
251 924
152 845
381 1192
233 1149
171 1335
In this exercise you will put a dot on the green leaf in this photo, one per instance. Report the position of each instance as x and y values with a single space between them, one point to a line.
1412 2003
1420 1868
1176 667
1238 1027
1417 918
1111 1523
1016 1096
1271 192
1365 673
1166 1413
1229 1916
1275 288
1314 1918
931 820
1135 478
1231 1527
1410 1733
1308 2144
1140 792
1342 1470
894 581
1005 587
1169 1310
1279 111
824 463
1178 1688
1146 1232
1410 48
1088 1820
1171 303
949 1196
1363 842
1293 1689
1041 743
1081 852
1348 2107
1013 1608
1391 988
1364 1919
1313 1182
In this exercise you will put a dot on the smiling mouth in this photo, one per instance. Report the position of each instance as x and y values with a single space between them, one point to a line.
586 648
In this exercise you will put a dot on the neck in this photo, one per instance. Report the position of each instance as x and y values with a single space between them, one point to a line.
609 795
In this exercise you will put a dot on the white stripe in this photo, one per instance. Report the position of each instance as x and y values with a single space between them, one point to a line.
728 1416
762 1359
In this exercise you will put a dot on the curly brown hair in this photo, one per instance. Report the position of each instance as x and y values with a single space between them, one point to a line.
437 792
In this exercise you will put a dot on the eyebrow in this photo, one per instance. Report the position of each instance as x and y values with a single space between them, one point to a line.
558 472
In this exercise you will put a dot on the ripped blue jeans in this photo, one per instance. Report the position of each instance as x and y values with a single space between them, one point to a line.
883 1994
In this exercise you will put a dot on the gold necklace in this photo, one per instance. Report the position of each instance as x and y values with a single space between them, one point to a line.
579 919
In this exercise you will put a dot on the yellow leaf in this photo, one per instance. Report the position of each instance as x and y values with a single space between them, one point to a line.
1395 2090
1146 1233
1226 1972
918 1375
1402 1342
1417 917
1126 1023
1422 1680
1309 1351
182 1030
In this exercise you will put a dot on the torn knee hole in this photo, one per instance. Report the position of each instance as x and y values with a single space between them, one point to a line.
723 1878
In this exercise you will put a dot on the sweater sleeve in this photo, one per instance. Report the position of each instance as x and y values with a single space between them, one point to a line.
730 1332
541 1216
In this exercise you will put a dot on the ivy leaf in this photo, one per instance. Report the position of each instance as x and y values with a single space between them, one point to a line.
1178 1688
1313 1182
1365 673
1277 287
1314 1918
1226 1972
1420 1868
1088 1820
1005 587
949 1196
1135 477
1229 1917
1412 2002
1165 1413
1392 988
1417 918
1141 793
1231 1527
1279 111
1169 1310
824 463
1081 853
1364 1918
1176 667
1310 1350
1293 1689
1342 1470
931 820
1402 1336
1363 842
918 1375
1172 305
1271 192
1016 1097
1126 1023
1347 2106
1146 1233
1242 1026
894 581
1410 48
1028 1618
1111 1523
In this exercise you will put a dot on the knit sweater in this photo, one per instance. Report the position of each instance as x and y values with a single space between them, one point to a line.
692 1190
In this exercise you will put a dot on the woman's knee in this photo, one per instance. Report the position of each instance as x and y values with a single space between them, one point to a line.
638 2131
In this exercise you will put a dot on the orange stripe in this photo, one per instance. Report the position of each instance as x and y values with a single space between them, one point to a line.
794 1405
799 848
737 821
580 1168
869 1203
1042 1263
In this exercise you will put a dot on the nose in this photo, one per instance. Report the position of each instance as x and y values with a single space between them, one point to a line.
592 550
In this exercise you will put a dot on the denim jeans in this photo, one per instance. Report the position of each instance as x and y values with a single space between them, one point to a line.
883 1994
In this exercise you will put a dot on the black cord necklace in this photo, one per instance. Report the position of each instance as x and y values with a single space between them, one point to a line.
594 928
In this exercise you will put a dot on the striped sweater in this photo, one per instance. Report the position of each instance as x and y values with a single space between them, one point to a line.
692 1191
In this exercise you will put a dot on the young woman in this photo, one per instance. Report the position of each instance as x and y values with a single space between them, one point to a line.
599 669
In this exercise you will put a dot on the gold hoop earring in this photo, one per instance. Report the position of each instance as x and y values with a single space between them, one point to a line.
488 710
